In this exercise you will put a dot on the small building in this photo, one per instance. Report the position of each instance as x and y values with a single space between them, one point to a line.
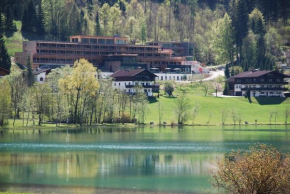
260 84
127 80
4 72
40 75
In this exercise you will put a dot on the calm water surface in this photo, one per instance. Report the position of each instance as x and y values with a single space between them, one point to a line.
128 159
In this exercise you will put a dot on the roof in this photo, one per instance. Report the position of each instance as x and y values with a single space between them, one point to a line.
129 73
251 74
7 71
39 71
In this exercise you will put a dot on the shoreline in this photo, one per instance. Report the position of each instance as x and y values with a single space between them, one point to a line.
131 125
17 188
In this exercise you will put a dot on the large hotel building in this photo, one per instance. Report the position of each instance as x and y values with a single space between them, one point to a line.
108 53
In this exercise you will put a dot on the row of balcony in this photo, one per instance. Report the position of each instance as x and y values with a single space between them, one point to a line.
144 86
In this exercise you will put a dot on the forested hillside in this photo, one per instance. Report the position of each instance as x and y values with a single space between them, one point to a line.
249 33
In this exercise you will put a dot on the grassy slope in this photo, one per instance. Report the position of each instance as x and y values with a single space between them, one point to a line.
249 112
13 41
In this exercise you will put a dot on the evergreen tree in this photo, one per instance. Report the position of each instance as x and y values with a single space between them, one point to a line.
143 33
9 23
260 50
29 18
30 76
240 23
227 71
2 27
90 7
41 23
98 25
73 20
226 89
4 57
25 22
256 22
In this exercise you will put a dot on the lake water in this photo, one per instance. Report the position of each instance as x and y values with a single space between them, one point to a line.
123 160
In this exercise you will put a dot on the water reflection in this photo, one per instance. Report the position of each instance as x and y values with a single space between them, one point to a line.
160 159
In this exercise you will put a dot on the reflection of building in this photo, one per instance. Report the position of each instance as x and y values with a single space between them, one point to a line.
260 83
128 80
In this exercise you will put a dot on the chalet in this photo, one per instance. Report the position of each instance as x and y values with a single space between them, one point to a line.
127 80
40 75
260 83
3 72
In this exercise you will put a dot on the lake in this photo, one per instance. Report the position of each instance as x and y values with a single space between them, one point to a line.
123 160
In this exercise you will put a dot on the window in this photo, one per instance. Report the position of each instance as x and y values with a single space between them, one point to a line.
41 79
278 80
262 80
239 80
119 84
114 84
270 80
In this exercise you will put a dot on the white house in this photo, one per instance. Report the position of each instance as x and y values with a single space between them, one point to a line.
127 80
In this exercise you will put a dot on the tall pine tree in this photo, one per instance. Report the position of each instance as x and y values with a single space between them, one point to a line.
2 27
30 76
9 23
240 24
41 23
90 7
5 61
98 25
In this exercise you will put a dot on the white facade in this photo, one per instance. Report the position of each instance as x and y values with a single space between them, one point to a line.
128 86
259 90
40 78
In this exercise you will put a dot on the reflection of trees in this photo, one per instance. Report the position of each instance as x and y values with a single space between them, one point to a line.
91 164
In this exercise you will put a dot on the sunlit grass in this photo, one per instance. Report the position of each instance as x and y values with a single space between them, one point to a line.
212 105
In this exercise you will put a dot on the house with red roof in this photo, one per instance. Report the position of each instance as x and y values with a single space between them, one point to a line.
259 83
127 80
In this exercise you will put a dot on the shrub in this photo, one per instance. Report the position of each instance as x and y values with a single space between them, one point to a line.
261 170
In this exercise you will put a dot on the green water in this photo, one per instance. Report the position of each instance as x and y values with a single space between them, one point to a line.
147 159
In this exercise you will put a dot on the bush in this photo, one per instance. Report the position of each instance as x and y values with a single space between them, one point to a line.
261 170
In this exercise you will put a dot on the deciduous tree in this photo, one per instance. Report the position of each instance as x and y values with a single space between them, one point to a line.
262 169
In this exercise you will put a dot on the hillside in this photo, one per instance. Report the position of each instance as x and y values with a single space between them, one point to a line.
257 31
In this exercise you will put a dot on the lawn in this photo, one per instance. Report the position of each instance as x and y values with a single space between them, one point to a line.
259 109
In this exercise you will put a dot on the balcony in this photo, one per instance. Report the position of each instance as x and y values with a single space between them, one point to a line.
265 88
154 86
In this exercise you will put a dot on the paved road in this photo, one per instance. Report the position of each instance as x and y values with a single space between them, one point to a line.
214 74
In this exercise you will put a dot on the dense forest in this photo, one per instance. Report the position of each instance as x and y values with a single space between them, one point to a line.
248 33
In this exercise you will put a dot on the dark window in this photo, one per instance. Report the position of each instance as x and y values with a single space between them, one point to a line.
270 80
278 80
41 79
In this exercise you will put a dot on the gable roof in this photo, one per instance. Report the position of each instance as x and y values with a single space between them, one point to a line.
254 74
39 71
251 74
130 73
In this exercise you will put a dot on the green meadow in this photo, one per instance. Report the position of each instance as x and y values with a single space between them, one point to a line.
259 109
